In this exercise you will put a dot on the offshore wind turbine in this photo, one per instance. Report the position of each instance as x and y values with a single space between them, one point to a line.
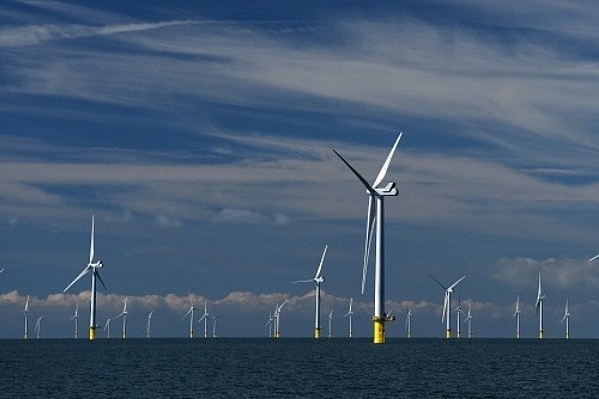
123 314
566 318
375 221
38 327
190 313
26 313
93 267
205 318
517 316
214 319
149 324
409 323
331 324
349 315
76 318
318 279
277 316
446 317
458 311
469 319
540 300
107 328
269 324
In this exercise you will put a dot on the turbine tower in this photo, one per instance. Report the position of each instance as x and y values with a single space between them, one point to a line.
458 313
123 314
375 221
26 313
517 316
566 318
149 325
318 280
349 315
190 313
205 318
269 324
76 318
93 267
540 300
469 319
214 319
331 324
107 328
409 323
278 318
38 327
446 317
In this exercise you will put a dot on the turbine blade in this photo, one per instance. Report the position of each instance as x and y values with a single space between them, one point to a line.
321 262
358 175
83 273
100 278
370 221
383 170
91 244
445 304
594 257
302 281
438 282
456 283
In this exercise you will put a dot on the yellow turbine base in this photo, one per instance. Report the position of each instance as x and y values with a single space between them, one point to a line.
517 335
92 333
379 330
541 335
447 333
317 333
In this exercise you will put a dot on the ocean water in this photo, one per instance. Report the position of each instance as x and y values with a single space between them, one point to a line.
299 368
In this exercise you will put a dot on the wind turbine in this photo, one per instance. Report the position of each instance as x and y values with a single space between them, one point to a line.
38 326
469 319
123 314
318 279
107 328
149 324
205 318
190 313
540 300
278 318
446 317
566 318
93 267
214 318
26 313
269 324
517 316
349 314
76 318
458 311
375 221
331 324
409 323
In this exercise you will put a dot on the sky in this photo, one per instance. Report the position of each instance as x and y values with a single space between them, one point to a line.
199 134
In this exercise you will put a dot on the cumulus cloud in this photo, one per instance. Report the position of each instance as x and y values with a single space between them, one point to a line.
238 215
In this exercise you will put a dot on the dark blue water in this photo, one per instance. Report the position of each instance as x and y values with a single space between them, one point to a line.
299 368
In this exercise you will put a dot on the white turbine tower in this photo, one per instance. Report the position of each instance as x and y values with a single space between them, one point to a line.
458 315
375 221
318 279
566 318
277 316
469 319
446 317
38 327
26 313
540 300
123 314
409 323
76 318
107 328
214 319
517 316
149 325
205 318
93 267
331 324
349 315
190 313
269 324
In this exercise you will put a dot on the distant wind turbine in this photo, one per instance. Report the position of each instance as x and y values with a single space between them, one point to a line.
76 318
469 319
331 324
38 327
26 313
149 324
566 318
190 313
349 315
205 318
123 314
540 300
93 267
517 316
458 315
409 323
214 319
269 324
375 220
318 279
446 317
107 328
277 316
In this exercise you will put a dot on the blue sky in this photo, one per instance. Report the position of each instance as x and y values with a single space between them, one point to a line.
200 136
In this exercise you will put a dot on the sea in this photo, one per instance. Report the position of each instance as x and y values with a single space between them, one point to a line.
299 368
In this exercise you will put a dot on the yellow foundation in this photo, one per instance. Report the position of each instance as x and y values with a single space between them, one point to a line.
517 335
317 333
447 333
379 330
540 334
92 333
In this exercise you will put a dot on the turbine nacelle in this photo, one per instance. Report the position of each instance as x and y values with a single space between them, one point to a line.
319 280
389 190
